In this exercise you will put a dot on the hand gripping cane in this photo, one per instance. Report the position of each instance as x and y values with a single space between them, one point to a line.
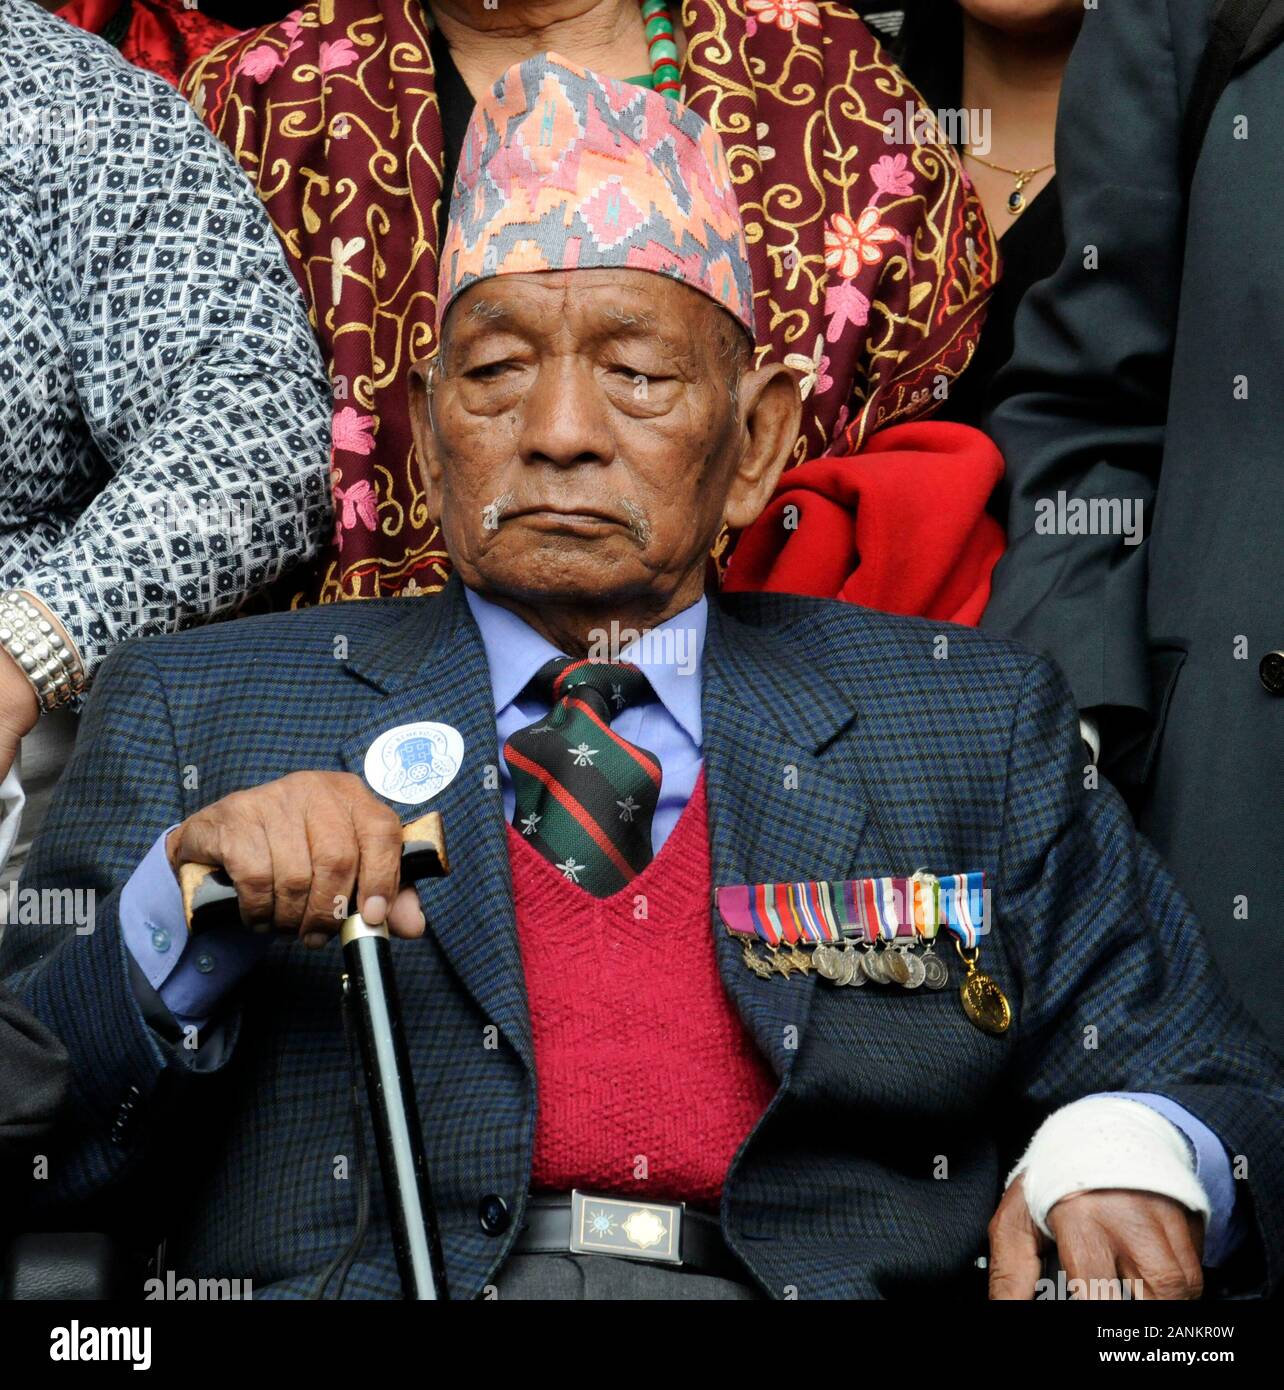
370 989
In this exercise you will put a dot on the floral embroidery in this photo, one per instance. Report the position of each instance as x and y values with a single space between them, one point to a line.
353 432
815 369
850 245
844 304
339 54
785 14
260 63
341 253
892 176
359 500
765 151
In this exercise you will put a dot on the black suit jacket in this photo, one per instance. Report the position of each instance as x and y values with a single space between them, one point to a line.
1150 367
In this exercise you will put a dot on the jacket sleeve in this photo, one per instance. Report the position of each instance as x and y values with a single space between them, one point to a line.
195 369
63 957
33 1081
1117 989
1083 400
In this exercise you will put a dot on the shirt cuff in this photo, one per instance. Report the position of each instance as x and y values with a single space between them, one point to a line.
192 978
1212 1168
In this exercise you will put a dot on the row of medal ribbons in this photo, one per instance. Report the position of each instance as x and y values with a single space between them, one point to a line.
885 919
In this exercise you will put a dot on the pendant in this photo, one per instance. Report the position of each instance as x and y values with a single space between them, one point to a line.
984 1003
1016 199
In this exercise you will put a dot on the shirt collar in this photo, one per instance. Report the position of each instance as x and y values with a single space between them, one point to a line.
671 655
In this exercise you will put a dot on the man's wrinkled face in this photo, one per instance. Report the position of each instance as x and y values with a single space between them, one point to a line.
581 434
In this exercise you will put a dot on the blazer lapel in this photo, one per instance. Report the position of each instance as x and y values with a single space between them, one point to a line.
434 668
777 812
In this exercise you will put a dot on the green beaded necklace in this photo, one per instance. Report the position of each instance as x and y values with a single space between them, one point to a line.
662 48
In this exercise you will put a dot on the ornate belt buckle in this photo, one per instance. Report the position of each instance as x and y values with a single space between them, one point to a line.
636 1230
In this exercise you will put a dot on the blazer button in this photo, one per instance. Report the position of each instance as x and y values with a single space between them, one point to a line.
1271 672
492 1212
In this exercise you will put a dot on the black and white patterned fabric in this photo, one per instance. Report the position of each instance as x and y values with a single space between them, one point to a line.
164 410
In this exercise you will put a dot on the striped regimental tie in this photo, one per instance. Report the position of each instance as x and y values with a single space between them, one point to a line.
585 796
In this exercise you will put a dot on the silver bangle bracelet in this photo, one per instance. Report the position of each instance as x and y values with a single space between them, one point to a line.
49 663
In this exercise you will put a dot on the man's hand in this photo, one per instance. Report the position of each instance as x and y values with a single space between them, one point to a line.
1106 1235
297 848
19 710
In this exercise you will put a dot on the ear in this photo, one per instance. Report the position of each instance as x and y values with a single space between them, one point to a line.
423 380
771 413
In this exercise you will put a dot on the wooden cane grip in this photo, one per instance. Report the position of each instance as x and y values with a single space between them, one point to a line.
190 878
423 848
204 887
209 896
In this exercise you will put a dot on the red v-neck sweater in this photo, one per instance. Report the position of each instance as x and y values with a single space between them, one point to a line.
647 1080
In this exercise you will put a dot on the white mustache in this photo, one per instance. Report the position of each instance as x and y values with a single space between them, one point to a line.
495 512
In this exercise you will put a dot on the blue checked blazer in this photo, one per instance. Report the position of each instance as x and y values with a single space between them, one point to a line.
838 743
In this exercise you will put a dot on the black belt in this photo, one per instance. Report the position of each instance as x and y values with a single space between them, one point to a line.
584 1223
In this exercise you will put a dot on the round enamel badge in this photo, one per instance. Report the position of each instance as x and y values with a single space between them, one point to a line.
413 762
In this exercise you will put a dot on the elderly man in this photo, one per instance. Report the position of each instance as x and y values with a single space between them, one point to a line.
591 1051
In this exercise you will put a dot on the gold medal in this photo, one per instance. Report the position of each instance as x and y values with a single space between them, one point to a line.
761 968
799 959
984 1003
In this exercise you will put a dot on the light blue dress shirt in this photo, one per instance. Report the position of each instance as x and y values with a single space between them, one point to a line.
191 979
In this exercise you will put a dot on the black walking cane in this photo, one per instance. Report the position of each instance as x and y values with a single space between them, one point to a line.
370 990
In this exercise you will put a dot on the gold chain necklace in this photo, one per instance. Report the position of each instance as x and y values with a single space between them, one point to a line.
1016 199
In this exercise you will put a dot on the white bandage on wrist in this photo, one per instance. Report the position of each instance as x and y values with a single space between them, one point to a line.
1107 1142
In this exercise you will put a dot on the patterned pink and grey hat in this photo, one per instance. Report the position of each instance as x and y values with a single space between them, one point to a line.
565 170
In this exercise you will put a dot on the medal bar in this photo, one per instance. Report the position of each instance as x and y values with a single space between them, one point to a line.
880 931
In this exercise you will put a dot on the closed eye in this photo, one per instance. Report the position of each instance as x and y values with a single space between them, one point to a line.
488 371
634 373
